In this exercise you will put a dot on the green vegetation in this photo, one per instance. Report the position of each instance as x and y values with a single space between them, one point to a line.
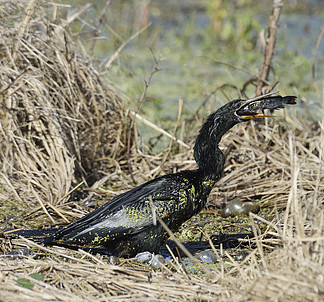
204 45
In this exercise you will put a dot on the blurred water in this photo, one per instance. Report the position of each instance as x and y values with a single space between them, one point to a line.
300 33
297 36
181 32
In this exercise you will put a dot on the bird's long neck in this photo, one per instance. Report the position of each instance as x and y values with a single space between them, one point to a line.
208 156
210 160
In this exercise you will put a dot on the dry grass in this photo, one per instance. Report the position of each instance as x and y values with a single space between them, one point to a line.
60 125
57 116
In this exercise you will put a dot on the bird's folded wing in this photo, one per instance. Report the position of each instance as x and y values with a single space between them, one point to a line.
128 213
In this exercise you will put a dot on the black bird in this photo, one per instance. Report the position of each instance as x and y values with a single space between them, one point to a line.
126 225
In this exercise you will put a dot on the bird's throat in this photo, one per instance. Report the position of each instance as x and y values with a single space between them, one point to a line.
210 160
208 156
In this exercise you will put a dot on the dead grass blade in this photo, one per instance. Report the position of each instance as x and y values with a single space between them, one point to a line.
57 117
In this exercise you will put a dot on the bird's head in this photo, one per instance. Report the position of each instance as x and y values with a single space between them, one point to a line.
230 114
239 110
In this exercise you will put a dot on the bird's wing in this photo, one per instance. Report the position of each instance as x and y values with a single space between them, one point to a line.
128 213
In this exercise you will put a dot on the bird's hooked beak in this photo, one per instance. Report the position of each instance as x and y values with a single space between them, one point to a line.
250 109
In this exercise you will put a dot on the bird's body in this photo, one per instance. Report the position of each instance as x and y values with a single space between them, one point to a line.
127 224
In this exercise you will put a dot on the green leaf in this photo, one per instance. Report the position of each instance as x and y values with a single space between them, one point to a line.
37 276
25 283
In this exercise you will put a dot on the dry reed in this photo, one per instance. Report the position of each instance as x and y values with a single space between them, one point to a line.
60 125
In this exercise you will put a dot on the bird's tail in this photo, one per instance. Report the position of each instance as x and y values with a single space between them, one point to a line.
34 234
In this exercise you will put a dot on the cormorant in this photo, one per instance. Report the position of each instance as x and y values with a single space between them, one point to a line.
126 225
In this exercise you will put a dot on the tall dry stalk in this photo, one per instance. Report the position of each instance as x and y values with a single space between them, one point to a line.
60 125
